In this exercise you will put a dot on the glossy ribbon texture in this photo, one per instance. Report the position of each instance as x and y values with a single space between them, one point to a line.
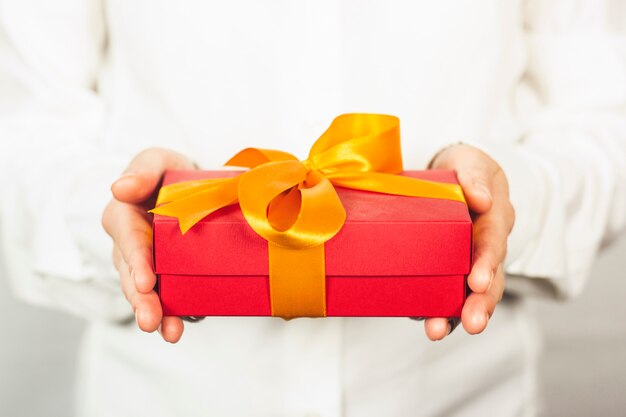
294 206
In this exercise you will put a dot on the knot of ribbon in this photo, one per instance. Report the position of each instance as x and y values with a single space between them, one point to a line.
294 206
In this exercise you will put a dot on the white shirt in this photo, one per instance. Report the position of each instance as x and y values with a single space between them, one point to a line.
86 85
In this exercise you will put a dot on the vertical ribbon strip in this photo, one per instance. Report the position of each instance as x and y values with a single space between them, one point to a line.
294 206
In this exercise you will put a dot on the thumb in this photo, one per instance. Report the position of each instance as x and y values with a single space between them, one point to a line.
475 171
144 174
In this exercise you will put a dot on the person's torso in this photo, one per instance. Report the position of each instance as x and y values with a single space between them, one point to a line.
209 78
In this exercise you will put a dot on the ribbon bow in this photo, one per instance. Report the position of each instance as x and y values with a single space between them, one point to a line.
293 205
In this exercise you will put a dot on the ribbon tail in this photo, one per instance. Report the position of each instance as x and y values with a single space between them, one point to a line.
397 185
206 199
181 190
297 281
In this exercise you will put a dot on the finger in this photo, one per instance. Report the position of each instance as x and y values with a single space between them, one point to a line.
172 329
475 171
477 189
147 307
437 328
148 311
136 187
132 233
144 174
490 245
479 307
491 231
126 282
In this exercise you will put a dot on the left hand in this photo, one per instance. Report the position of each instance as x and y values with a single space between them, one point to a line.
487 193
129 224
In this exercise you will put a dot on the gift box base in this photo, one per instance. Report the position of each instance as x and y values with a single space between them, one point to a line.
399 296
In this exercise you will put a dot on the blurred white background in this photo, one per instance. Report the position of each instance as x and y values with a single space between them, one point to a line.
38 348
583 370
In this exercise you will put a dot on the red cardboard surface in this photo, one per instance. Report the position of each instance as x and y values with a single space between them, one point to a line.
394 256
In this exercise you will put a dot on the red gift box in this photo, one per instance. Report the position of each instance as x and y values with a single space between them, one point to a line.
394 256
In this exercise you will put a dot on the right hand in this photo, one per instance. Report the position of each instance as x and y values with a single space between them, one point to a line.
127 221
486 189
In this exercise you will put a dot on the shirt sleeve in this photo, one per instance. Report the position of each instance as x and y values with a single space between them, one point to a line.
54 171
567 170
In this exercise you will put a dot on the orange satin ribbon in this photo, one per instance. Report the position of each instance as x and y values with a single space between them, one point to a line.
293 205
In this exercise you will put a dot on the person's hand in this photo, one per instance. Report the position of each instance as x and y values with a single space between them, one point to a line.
487 193
127 221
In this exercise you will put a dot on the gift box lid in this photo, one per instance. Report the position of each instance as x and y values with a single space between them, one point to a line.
384 235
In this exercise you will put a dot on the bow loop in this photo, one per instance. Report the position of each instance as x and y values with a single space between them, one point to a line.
359 143
290 206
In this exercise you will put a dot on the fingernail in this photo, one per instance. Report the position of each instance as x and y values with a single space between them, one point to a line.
125 176
136 319
482 188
